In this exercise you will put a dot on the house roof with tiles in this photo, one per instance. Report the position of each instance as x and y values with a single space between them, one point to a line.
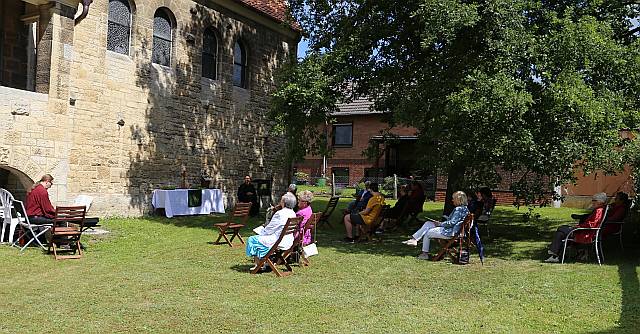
359 106
274 9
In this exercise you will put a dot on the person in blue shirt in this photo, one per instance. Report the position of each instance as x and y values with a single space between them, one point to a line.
433 229
361 200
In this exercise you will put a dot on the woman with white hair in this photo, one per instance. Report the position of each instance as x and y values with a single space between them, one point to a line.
258 245
441 230
598 202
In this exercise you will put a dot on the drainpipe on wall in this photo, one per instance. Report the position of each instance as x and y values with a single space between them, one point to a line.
85 11
324 166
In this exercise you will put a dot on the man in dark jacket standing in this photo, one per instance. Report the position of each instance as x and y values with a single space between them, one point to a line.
247 194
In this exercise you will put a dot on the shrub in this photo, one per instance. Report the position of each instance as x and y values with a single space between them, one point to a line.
301 176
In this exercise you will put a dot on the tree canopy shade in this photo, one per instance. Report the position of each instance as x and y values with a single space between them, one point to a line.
540 87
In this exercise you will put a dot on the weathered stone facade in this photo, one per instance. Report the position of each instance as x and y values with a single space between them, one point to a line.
174 119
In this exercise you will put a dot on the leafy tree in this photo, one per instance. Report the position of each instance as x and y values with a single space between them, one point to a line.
541 87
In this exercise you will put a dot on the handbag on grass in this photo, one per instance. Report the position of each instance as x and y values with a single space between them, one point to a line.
310 250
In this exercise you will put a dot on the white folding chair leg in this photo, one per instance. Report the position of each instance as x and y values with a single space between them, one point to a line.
2 235
34 237
12 229
564 249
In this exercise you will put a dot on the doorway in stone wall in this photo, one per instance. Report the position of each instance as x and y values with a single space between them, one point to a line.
15 181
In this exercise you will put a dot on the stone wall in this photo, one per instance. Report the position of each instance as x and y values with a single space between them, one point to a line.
174 120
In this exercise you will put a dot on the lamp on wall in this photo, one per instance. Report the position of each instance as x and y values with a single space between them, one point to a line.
120 122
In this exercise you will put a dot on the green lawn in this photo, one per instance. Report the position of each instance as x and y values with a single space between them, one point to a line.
164 275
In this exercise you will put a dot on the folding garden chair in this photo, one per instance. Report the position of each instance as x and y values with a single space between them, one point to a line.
595 239
367 231
6 210
231 227
28 230
66 230
326 214
454 246
276 254
298 248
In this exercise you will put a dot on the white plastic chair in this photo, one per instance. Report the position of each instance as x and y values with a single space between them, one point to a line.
6 204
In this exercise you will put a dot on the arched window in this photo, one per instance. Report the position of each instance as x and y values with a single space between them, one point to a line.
210 54
119 29
162 37
239 66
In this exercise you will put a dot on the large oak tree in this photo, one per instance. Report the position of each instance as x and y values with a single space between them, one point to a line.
538 87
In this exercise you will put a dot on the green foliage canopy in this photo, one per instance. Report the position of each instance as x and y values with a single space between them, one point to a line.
538 87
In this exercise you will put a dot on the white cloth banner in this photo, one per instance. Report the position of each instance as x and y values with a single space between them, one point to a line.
176 202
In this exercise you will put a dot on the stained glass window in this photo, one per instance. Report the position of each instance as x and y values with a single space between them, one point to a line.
239 66
162 38
119 26
209 54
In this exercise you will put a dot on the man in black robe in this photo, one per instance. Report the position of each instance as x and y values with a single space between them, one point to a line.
247 194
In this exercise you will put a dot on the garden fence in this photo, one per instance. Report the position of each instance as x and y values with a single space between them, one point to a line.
338 185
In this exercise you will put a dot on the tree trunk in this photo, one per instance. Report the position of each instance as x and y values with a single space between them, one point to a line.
455 178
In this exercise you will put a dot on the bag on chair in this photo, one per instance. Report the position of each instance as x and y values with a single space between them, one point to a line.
464 257
310 250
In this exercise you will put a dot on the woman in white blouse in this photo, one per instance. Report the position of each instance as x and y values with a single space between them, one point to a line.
258 245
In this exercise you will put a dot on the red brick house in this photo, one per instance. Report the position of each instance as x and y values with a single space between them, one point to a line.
356 126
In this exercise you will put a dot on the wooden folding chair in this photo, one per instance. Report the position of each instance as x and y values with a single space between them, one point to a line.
66 230
310 225
326 214
231 227
276 254
454 246
367 231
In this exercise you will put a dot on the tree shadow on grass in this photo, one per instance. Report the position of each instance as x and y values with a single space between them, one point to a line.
510 237
629 320
205 222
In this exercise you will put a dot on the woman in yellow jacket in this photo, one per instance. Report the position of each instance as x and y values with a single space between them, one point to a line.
366 216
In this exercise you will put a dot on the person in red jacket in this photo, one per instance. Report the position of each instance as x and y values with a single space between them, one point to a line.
39 208
617 212
598 202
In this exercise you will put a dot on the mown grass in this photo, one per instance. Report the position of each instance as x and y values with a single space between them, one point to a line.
164 275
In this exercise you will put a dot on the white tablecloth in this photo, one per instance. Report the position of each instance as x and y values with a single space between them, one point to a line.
175 202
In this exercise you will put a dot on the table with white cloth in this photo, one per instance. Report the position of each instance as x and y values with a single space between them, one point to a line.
176 202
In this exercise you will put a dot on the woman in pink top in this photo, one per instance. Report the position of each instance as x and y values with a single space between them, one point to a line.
304 203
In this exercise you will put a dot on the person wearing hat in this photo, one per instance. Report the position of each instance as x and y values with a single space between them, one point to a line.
598 202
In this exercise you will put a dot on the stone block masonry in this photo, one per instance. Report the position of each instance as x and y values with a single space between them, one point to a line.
174 119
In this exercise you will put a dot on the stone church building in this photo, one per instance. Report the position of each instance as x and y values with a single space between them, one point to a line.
117 97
